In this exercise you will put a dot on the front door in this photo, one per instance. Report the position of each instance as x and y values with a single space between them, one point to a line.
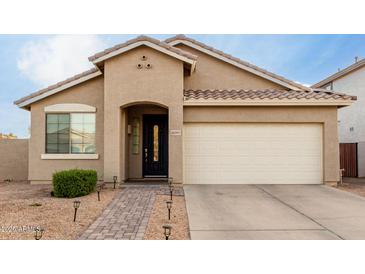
155 145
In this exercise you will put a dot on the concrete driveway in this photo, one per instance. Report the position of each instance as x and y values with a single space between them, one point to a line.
274 212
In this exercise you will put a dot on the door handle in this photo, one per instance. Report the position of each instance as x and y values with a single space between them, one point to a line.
145 155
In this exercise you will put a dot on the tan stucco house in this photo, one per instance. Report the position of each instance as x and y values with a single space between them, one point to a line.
179 108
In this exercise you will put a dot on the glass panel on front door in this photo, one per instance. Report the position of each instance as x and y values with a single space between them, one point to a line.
155 143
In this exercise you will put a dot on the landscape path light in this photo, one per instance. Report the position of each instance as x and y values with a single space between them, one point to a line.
167 231
38 233
99 190
169 205
76 206
171 191
115 178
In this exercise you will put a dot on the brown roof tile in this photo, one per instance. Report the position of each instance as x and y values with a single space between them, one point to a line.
183 37
143 38
244 94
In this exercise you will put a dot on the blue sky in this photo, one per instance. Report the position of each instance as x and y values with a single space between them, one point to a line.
31 62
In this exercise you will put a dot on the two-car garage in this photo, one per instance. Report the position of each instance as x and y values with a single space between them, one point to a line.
253 153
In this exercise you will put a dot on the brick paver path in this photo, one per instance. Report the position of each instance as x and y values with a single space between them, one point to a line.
126 217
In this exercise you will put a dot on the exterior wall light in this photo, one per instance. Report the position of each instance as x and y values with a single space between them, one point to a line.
115 179
38 233
76 206
169 206
167 231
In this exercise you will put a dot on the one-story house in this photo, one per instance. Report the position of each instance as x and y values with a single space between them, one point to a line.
179 108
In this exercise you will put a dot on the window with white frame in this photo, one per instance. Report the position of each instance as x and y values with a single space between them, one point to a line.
70 133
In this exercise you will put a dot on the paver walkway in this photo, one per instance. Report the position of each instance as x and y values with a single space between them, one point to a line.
127 216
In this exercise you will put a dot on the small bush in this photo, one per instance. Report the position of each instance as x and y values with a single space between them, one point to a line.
74 182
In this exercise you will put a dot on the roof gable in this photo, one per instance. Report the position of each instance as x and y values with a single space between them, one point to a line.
98 60
58 87
182 39
142 40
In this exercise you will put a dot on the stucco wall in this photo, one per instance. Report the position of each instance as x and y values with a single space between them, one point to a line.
14 159
361 159
352 119
89 93
125 84
212 73
325 115
354 115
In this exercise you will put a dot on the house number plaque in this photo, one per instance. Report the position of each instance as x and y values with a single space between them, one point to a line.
175 132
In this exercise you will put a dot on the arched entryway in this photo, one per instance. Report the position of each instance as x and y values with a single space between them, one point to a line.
146 141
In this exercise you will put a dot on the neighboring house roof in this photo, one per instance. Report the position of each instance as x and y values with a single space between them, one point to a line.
182 39
317 96
339 74
72 81
182 55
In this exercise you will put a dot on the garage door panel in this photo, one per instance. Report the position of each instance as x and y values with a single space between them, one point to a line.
247 153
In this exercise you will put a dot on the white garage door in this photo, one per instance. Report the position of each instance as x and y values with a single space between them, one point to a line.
252 153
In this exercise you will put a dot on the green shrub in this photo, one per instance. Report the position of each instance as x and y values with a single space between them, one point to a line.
74 182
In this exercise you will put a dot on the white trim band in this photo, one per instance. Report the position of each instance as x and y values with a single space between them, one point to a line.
69 156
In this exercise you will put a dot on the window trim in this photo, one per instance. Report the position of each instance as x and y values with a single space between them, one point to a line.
50 156
69 108
47 156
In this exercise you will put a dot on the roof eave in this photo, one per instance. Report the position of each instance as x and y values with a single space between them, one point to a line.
339 74
25 102
271 102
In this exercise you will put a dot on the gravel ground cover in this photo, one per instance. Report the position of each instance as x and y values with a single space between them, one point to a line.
355 188
159 217
24 206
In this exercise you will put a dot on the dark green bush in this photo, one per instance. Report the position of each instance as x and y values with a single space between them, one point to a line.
74 182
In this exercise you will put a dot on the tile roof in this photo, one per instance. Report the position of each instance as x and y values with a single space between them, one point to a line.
144 38
228 56
57 85
244 94
340 73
